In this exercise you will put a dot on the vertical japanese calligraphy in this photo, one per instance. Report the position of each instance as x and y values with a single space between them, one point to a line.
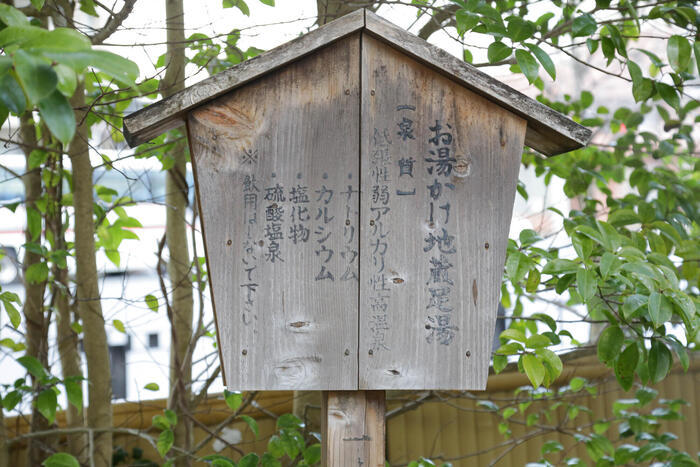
439 244
249 258
302 215
379 292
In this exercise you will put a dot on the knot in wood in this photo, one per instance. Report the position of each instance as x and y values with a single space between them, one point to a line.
463 166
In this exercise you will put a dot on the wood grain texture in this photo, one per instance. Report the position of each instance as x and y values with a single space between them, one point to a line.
353 427
403 343
290 323
170 113
548 131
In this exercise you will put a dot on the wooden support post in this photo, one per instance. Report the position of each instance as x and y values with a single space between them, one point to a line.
353 428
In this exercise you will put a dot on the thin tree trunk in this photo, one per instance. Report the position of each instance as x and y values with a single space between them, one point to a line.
99 411
179 263
35 320
329 10
67 338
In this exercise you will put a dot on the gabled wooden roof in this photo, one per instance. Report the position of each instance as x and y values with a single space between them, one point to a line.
548 131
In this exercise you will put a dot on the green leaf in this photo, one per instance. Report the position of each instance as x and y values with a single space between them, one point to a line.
58 115
57 40
37 273
312 454
165 442
88 7
678 51
467 56
36 158
38 4
608 264
528 65
499 363
233 399
625 453
643 90
11 400
465 21
514 334
171 416
289 421
33 366
660 309
548 320
696 51
249 460
610 343
152 302
34 224
520 29
608 47
592 45
268 460
537 341
240 4
533 281
113 65
498 51
551 446
60 459
251 423
584 25
544 59
119 326
12 313
37 77
74 393
560 266
18 35
11 16
577 383
625 366
552 363
274 447
681 352
268 2
668 94
11 94
152 387
67 79
533 369
46 404
632 304
660 360
586 283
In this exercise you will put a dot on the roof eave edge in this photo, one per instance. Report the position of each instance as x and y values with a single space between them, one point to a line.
168 113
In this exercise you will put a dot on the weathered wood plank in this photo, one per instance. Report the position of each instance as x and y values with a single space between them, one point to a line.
276 164
440 166
353 427
548 131
170 113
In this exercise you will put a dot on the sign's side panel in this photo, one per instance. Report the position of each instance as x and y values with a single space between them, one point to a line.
439 171
277 175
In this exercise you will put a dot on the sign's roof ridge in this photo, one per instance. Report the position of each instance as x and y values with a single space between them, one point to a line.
548 131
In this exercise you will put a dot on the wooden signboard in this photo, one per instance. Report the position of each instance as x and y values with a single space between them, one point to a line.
356 188
278 175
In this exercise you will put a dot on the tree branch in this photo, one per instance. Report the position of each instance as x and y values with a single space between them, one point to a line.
113 23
